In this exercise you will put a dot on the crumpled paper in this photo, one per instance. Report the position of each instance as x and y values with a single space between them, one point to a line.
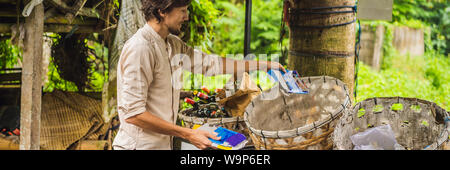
237 101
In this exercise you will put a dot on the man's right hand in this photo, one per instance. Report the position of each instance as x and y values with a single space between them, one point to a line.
199 138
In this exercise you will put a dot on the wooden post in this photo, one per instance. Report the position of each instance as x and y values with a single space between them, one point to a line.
409 40
322 39
372 45
31 92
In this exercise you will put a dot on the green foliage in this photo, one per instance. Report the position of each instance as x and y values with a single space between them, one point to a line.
230 27
397 107
98 71
55 82
225 24
361 112
200 32
425 13
424 77
436 70
9 54
425 123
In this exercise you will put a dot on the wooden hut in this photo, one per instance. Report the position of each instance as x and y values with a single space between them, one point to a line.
28 20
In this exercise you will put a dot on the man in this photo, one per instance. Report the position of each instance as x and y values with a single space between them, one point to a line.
147 74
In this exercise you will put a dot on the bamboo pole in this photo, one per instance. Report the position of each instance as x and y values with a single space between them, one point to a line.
31 92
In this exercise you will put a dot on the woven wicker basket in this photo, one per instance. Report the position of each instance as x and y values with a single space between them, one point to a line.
9 142
236 124
417 124
68 118
280 121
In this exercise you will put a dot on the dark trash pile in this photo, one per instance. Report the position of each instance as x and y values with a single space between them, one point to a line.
10 121
204 105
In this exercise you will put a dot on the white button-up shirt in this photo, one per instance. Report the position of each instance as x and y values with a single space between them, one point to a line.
149 78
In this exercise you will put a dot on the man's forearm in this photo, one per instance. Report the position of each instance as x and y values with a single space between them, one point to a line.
153 123
230 66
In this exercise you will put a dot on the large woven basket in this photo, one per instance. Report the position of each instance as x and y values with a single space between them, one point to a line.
236 124
417 124
281 121
68 118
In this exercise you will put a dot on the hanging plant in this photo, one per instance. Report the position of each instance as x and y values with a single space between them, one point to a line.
70 57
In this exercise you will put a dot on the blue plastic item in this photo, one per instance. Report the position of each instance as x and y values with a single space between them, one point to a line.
287 79
233 138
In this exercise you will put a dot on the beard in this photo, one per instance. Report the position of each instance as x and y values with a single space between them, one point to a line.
175 31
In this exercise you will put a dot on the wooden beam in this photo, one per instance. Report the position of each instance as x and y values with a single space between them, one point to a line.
76 21
60 28
61 20
8 12
8 1
8 77
56 28
89 12
31 92
5 28
51 16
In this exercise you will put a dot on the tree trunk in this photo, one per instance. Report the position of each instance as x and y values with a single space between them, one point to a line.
322 42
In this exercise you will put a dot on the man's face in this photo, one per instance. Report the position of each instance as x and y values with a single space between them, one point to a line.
175 19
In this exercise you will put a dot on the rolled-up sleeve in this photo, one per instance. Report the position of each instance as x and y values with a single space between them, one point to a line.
136 78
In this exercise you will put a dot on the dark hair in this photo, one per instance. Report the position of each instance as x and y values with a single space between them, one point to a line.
151 8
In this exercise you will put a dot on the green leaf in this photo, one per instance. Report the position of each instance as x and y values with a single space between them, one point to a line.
397 107
361 112
425 123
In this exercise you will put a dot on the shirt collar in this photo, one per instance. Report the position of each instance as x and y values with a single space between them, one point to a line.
150 33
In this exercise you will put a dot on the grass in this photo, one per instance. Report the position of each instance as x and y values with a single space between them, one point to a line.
425 77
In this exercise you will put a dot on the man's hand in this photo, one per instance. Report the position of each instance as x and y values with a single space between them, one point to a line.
275 66
199 138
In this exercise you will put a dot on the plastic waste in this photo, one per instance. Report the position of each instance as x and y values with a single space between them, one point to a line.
287 81
377 138
229 140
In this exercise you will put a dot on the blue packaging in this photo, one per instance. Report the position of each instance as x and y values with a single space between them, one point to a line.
288 79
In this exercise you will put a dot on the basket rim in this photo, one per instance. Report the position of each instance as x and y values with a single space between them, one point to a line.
443 137
308 127
192 119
